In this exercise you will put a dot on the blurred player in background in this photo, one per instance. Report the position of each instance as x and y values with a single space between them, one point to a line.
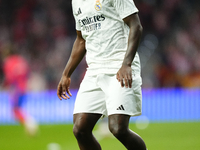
108 32
16 72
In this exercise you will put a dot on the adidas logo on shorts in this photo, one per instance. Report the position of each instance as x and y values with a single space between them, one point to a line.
120 107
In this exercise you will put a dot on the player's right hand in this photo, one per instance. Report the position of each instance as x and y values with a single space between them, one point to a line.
63 88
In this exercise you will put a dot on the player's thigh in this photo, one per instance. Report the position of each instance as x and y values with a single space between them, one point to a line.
118 122
118 119
85 121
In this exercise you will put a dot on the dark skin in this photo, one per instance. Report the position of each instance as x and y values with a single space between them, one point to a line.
118 123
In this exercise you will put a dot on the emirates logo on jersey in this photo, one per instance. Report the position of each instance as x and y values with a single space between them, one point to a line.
92 23
98 5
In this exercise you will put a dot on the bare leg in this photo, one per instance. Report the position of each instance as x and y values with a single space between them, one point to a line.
119 127
83 126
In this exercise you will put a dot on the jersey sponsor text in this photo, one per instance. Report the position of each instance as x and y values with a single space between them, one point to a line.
92 23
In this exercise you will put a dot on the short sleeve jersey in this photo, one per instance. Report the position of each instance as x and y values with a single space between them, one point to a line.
105 33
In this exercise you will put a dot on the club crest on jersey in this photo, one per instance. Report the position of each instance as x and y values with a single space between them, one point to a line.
98 5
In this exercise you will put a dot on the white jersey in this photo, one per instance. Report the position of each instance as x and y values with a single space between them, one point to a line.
106 35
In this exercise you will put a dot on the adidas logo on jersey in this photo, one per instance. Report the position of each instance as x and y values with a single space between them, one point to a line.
121 107
79 11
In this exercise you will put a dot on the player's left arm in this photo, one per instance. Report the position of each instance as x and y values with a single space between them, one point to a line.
124 75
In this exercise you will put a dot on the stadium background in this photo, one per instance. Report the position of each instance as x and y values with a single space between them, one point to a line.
43 32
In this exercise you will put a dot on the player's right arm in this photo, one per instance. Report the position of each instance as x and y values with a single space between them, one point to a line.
77 54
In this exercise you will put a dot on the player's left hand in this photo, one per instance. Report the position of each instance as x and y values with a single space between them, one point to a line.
124 76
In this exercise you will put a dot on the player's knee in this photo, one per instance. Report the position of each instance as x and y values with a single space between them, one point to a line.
117 130
79 131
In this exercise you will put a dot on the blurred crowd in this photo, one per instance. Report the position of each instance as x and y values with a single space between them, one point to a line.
43 31
171 44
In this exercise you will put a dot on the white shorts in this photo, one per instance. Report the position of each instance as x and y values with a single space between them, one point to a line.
103 94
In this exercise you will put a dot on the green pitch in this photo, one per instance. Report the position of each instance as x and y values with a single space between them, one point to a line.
158 136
